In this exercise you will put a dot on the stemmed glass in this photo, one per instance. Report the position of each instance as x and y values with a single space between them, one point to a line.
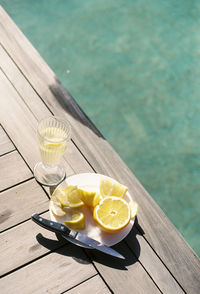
53 134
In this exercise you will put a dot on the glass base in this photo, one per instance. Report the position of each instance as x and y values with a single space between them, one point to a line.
49 176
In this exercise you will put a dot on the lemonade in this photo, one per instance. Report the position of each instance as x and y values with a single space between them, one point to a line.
52 144
53 134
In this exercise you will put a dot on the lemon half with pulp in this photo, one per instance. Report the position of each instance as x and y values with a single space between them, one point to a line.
112 214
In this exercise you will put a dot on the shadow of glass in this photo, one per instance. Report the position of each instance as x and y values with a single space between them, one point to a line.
52 189
67 102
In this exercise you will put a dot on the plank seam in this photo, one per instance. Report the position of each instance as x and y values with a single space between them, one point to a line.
17 148
84 157
19 183
26 80
79 283
143 267
90 258
22 222
32 261
160 260
8 152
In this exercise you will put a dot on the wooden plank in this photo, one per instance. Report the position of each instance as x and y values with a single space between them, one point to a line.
152 263
124 276
13 170
95 284
29 237
20 202
159 232
23 237
5 144
54 273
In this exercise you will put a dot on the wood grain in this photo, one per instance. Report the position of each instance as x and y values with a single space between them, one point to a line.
124 276
24 243
95 283
5 144
13 170
152 263
20 202
24 237
54 273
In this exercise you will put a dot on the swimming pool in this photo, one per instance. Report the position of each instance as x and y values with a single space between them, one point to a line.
132 66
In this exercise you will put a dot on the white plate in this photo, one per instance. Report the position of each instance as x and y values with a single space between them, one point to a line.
92 230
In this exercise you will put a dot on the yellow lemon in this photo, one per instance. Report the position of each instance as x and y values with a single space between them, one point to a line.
56 207
69 197
134 208
76 221
58 194
89 195
55 147
112 214
110 187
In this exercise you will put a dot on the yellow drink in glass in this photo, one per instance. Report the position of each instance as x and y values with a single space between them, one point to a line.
52 145
53 135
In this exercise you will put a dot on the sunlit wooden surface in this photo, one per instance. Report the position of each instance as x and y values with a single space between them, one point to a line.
34 260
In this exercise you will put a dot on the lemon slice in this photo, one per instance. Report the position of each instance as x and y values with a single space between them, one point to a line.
89 195
134 208
69 197
56 207
112 214
53 145
58 194
76 221
110 187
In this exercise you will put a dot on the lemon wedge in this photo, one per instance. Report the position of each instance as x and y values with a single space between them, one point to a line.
69 197
56 207
89 195
76 221
53 145
112 214
110 187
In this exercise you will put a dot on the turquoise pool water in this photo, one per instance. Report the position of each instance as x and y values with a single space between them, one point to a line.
133 66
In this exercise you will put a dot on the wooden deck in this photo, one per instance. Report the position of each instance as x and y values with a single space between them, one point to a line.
33 260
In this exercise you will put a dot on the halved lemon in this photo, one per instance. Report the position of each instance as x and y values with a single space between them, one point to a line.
110 187
112 214
69 197
56 207
76 221
89 195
